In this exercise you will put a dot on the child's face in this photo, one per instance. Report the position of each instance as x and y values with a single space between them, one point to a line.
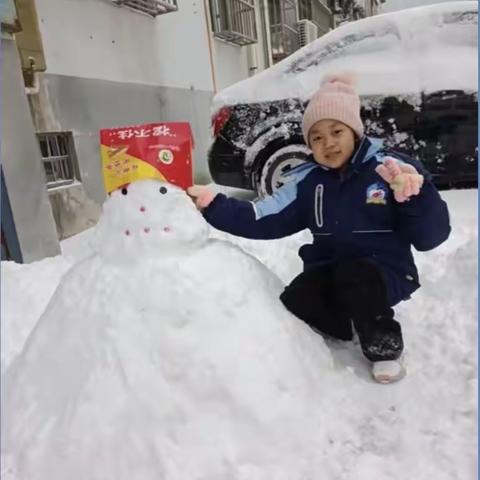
332 143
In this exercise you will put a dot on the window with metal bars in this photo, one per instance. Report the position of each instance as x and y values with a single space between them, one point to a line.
234 21
283 27
58 158
150 7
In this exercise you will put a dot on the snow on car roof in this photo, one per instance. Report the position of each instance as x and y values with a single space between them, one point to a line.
424 49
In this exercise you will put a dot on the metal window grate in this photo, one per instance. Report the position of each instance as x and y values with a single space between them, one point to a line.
234 21
283 28
58 158
150 7
317 12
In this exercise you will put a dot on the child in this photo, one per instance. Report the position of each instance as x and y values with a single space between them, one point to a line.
365 206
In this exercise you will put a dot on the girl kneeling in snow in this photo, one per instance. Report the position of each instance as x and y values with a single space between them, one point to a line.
365 207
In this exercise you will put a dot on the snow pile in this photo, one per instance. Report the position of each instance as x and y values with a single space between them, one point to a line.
154 350
169 366
425 49
26 290
426 426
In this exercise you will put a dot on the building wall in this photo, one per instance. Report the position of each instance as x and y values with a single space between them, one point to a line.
326 22
85 105
148 69
231 63
109 66
370 7
96 39
21 164
182 55
125 57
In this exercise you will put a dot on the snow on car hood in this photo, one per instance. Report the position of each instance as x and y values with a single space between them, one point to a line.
423 49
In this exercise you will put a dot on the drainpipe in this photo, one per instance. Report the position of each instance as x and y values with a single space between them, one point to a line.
267 47
206 11
36 83
252 60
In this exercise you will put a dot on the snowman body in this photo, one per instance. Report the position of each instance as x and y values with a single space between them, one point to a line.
153 361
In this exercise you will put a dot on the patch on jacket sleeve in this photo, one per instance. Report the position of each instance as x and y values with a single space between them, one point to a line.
274 204
377 194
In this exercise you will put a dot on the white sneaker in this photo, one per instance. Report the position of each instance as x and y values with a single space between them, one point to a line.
388 371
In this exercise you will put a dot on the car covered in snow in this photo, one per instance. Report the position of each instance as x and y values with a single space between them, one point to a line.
416 73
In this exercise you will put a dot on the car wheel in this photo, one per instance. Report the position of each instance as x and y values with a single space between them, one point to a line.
272 175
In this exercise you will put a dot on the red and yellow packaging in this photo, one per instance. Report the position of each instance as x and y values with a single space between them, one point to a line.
154 150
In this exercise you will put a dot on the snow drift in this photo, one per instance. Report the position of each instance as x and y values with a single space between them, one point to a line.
161 397
149 363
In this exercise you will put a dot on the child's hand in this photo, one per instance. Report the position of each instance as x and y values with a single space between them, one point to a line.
201 195
403 178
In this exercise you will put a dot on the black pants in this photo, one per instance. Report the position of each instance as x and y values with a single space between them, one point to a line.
332 297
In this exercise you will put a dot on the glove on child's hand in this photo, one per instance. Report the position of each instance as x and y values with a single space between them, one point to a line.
201 195
403 178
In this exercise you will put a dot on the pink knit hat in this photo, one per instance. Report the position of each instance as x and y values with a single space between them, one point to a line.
336 99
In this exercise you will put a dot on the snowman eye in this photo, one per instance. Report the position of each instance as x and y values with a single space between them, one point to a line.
124 191
163 190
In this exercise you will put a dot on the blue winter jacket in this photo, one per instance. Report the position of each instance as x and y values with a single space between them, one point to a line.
351 215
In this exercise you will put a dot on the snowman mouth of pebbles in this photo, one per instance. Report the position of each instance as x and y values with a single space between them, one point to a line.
149 218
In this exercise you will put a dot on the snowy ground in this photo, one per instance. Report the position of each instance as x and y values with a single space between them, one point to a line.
420 429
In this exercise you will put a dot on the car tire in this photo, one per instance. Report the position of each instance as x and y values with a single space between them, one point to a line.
280 162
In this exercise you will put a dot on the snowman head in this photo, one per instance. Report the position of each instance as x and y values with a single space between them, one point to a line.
149 218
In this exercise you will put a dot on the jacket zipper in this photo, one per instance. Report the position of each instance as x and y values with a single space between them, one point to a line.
319 206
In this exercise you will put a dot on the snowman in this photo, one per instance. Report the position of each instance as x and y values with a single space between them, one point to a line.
165 355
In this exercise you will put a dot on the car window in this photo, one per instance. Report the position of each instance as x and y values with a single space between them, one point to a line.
365 41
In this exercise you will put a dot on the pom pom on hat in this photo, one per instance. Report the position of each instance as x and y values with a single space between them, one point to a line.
348 78
336 99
